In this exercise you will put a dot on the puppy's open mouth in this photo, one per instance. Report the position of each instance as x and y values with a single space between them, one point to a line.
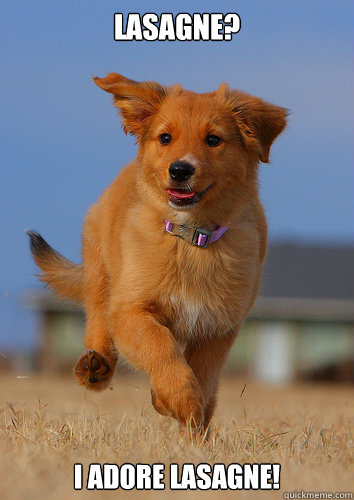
185 197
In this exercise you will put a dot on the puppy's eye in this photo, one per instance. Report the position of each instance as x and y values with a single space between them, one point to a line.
212 140
165 139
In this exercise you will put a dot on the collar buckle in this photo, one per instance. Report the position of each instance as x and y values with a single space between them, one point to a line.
201 237
197 236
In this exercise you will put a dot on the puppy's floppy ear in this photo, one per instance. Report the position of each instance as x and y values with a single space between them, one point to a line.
136 101
259 121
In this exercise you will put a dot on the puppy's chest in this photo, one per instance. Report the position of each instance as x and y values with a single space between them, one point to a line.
199 294
193 311
187 319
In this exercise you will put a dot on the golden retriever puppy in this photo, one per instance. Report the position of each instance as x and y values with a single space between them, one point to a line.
173 249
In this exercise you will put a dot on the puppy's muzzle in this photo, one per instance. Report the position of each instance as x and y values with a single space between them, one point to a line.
181 171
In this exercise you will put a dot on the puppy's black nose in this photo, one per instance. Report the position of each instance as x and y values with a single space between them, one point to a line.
181 171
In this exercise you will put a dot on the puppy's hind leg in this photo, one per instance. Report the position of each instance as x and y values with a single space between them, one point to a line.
96 365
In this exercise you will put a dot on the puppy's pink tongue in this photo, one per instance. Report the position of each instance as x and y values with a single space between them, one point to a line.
181 194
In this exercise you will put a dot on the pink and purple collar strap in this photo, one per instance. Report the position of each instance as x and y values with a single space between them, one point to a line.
197 236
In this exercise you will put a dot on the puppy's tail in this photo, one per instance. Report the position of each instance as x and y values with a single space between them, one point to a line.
59 273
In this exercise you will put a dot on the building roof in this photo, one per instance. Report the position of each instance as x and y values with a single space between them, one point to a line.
304 271
300 282
307 283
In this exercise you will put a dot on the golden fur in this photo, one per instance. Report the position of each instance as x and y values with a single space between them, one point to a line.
172 309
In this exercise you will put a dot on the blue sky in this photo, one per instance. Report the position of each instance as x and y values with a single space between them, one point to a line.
61 142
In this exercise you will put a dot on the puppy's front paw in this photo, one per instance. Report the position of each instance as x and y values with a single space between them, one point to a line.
190 408
94 370
157 404
183 401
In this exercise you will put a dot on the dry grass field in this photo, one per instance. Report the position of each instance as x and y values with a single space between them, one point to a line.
46 425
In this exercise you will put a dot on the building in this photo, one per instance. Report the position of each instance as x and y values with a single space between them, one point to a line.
300 326
302 322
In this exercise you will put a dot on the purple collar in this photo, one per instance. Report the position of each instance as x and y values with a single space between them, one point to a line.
194 235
